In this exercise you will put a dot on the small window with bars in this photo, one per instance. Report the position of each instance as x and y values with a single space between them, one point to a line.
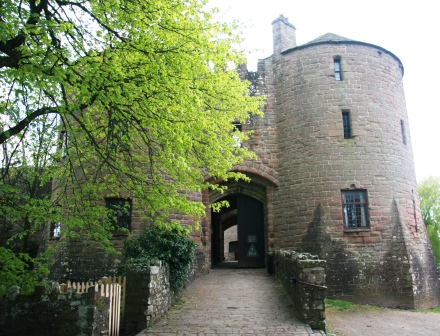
355 207
119 212
337 67
346 122
402 128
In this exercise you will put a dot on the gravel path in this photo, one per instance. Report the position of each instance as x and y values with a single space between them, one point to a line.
375 321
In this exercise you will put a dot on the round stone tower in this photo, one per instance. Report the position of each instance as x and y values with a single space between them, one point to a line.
347 189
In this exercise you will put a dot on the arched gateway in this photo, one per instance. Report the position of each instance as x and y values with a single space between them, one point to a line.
247 215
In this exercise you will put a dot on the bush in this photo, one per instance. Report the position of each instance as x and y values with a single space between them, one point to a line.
433 234
429 192
22 270
169 244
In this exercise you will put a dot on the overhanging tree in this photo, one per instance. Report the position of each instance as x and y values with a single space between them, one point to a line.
145 93
25 203
429 192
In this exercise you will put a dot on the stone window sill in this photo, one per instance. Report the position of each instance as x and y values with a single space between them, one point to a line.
357 230
119 234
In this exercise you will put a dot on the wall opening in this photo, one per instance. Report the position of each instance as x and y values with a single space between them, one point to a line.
246 245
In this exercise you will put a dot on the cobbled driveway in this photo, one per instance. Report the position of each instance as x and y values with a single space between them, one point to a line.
232 302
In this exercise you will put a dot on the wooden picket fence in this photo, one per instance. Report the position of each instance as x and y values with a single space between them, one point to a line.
111 287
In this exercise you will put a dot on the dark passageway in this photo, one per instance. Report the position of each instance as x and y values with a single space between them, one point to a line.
247 214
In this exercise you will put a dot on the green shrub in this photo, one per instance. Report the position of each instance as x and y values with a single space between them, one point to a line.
429 193
169 244
435 240
22 270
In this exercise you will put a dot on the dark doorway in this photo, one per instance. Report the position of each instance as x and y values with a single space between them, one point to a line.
248 214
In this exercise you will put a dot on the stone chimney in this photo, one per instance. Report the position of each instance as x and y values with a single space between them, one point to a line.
284 34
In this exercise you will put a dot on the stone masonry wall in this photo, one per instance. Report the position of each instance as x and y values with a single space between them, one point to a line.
294 270
82 260
78 260
390 263
148 297
198 267
230 235
54 314
148 294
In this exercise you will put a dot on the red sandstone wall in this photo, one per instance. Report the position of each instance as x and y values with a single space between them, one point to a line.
391 262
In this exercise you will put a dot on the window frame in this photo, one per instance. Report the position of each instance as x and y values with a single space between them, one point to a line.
64 142
55 230
55 226
238 128
346 124
337 68
402 129
364 218
116 224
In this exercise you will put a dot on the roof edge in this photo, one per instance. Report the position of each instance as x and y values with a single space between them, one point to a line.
303 46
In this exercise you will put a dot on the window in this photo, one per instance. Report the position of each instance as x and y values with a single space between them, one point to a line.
63 143
354 206
402 128
55 226
55 230
119 213
337 67
238 128
346 124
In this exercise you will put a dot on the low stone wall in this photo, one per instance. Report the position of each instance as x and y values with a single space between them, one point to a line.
54 314
303 277
148 297
148 293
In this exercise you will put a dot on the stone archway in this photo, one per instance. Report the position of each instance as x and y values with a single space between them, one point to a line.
248 209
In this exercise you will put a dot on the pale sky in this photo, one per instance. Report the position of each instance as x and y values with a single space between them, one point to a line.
409 29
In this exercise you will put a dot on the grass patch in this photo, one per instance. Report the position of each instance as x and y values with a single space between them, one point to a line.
339 304
180 301
432 310
346 306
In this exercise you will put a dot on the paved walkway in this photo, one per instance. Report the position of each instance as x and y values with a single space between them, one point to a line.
232 302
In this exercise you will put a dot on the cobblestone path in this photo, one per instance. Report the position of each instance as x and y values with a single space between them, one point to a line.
232 302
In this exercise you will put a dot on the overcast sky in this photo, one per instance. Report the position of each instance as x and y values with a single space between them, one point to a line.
409 29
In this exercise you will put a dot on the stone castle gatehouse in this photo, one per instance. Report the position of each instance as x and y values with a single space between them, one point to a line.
334 175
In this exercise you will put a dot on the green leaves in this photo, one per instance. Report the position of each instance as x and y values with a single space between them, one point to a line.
22 270
167 243
144 93
429 193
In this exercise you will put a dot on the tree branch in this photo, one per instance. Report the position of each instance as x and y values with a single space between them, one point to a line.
8 47
4 136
